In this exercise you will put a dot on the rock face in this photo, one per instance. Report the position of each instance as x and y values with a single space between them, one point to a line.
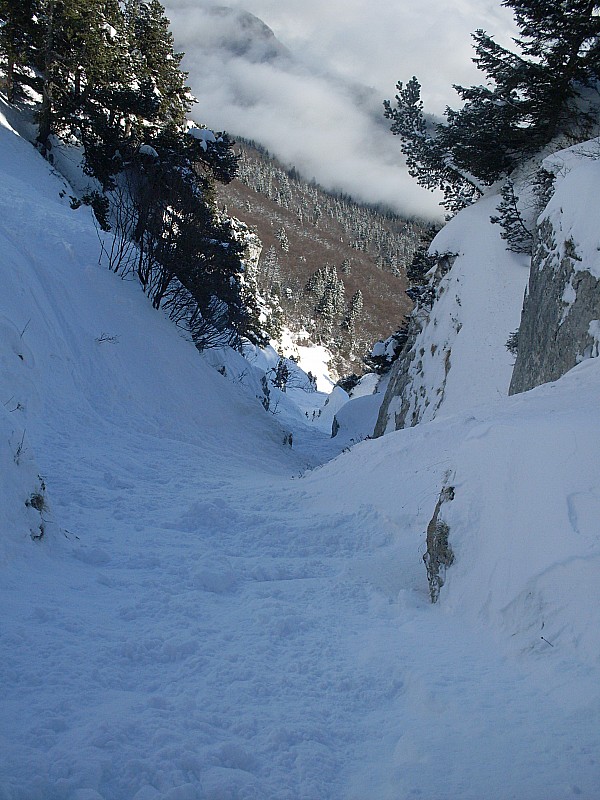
456 355
399 409
560 324
417 382
439 555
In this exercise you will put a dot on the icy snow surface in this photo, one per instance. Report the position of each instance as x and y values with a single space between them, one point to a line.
574 210
207 619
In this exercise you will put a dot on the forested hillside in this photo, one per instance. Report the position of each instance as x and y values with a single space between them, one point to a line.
336 267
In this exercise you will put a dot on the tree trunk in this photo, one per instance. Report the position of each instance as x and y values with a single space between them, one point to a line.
45 114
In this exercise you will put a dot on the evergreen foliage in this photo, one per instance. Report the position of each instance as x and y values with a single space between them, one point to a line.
529 98
110 82
514 230
18 37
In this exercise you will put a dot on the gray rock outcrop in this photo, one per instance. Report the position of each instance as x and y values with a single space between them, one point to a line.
561 306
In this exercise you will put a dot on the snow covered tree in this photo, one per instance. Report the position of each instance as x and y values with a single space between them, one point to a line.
283 240
514 230
529 98
353 313
271 270
281 375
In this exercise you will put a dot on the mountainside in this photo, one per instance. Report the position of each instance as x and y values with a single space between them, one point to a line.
190 611
560 326
462 348
303 229
238 33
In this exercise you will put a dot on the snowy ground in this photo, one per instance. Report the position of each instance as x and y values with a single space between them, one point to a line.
208 619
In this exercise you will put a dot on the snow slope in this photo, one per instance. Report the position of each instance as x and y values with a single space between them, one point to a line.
459 358
205 619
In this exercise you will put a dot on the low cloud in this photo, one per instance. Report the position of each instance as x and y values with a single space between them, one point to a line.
313 95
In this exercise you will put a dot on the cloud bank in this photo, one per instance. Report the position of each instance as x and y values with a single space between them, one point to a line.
312 94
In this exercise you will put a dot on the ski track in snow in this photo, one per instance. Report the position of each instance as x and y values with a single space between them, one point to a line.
206 623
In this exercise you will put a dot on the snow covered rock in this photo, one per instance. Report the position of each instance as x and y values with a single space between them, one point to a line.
23 502
560 324
456 356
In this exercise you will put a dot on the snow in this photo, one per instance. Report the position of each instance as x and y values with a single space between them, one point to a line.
356 419
594 332
568 298
368 384
462 359
573 210
214 614
148 150
203 135
311 358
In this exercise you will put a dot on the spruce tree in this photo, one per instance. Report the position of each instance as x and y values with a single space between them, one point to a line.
18 40
529 99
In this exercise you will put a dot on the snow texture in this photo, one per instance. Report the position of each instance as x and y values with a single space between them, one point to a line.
206 617
460 356
573 216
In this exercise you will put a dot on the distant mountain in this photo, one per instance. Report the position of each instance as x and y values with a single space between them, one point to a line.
238 33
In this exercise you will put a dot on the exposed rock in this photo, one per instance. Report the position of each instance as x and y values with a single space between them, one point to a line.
562 304
439 555
397 400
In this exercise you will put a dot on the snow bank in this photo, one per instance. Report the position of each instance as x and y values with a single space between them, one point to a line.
459 359
572 215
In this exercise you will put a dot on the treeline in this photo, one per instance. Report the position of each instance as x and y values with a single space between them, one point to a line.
107 80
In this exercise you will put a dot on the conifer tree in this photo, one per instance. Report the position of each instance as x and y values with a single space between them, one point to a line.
353 313
18 33
530 98
514 230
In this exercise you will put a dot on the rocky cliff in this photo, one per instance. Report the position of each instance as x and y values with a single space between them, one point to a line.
560 324
456 356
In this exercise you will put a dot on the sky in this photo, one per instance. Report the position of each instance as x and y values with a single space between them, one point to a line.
318 106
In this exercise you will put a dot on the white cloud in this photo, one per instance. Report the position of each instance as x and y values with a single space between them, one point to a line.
309 110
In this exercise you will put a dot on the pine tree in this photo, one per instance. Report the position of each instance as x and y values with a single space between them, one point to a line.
74 51
18 40
514 230
157 65
528 100
283 240
353 313
426 157
271 270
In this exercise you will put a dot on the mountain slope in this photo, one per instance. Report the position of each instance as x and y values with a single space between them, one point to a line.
200 620
306 228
